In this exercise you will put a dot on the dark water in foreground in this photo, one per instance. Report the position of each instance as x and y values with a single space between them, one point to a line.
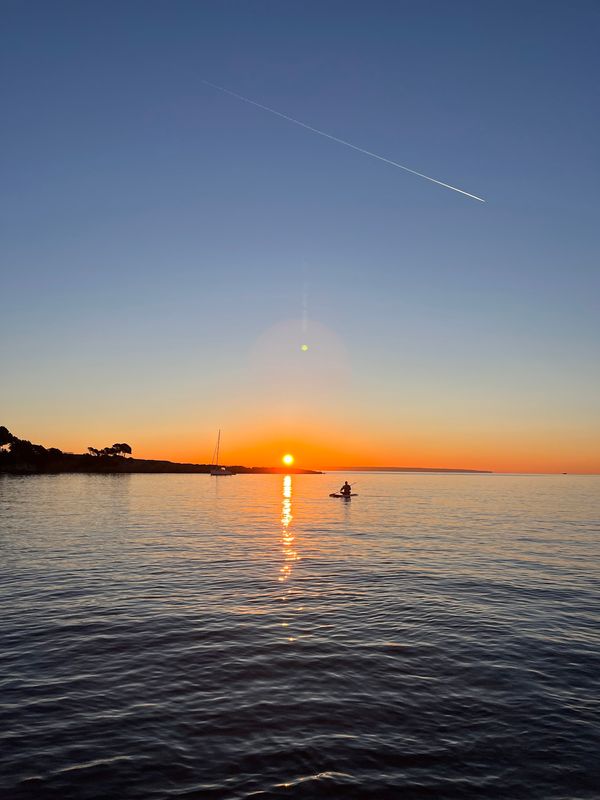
249 637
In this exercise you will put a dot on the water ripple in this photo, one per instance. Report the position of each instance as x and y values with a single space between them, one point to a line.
174 637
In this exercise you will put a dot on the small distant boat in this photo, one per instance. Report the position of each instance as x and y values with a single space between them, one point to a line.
216 470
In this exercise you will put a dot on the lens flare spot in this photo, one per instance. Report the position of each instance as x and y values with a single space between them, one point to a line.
304 348
288 459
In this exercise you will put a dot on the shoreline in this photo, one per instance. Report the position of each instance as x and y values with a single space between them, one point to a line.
117 465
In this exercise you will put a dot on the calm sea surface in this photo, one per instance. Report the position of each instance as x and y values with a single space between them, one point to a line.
249 637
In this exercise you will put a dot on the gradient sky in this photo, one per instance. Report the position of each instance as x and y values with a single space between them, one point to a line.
167 248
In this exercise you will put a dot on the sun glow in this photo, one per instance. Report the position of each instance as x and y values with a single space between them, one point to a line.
288 459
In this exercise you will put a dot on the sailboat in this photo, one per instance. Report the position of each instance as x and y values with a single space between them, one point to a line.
216 470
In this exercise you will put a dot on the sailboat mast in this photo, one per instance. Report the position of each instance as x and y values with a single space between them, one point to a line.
218 445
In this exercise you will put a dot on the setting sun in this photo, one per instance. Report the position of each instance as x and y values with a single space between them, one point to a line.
288 459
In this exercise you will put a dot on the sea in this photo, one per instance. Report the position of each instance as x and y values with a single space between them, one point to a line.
185 636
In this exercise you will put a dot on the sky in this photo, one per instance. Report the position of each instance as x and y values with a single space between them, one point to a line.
168 248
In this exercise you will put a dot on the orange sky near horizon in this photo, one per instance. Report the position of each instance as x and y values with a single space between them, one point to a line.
329 446
325 411
329 453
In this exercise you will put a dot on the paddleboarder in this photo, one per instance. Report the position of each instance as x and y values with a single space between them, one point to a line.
346 489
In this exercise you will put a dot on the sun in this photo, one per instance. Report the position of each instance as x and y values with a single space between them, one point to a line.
288 459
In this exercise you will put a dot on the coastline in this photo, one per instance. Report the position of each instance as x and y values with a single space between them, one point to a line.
411 469
83 463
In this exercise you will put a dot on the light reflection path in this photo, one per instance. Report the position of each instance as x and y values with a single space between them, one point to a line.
287 543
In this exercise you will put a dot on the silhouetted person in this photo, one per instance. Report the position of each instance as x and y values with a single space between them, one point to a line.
346 489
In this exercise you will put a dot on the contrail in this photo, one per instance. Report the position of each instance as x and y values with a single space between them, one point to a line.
342 141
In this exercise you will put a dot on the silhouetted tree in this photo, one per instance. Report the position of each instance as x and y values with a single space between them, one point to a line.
22 456
6 436
22 447
118 449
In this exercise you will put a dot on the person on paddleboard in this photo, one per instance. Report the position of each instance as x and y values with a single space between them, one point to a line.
346 489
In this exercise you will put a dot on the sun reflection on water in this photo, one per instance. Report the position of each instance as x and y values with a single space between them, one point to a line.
290 555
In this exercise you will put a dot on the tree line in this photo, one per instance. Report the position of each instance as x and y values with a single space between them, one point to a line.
23 447
21 455
118 449
16 446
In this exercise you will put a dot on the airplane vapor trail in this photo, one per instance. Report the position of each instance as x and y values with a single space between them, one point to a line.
341 141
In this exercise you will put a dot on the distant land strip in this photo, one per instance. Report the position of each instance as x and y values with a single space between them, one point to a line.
81 462
409 469
21 457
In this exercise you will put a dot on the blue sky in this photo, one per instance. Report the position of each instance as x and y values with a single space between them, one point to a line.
142 211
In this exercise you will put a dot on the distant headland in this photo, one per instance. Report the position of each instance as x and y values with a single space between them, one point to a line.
21 457
410 469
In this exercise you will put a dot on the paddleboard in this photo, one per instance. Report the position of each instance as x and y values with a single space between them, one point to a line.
336 494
